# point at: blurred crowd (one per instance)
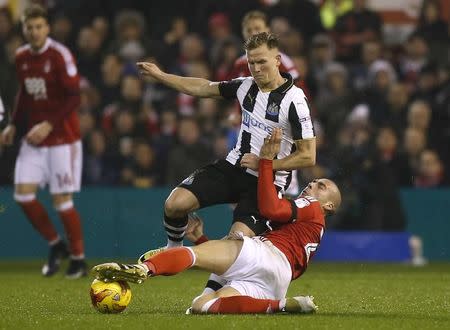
(381, 112)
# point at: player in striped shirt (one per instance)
(268, 100)
(258, 270)
(255, 22)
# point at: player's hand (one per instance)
(149, 69)
(271, 146)
(8, 134)
(194, 229)
(38, 133)
(250, 161)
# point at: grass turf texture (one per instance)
(350, 296)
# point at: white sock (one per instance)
(173, 244)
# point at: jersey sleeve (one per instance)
(68, 73)
(300, 119)
(269, 204)
(228, 89)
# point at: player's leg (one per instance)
(180, 202)
(230, 301)
(207, 186)
(247, 221)
(258, 281)
(65, 179)
(213, 256)
(72, 226)
(30, 172)
(25, 196)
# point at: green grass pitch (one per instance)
(350, 296)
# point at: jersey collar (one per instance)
(286, 86)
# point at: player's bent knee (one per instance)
(62, 202)
(201, 304)
(179, 203)
(64, 206)
(24, 198)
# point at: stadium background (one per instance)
(381, 109)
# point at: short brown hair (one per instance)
(254, 14)
(263, 38)
(34, 11)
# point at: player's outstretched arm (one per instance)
(269, 204)
(188, 85)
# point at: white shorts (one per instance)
(59, 166)
(260, 271)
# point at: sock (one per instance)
(72, 225)
(201, 240)
(243, 305)
(215, 282)
(40, 220)
(175, 229)
(171, 261)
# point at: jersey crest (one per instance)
(273, 109)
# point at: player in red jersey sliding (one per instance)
(258, 270)
(51, 151)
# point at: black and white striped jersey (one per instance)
(285, 107)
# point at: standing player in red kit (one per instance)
(51, 151)
(258, 270)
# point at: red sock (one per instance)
(171, 261)
(72, 225)
(39, 218)
(201, 240)
(244, 305)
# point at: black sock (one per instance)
(175, 229)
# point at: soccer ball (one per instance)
(111, 297)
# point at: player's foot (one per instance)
(57, 252)
(301, 304)
(147, 255)
(120, 272)
(77, 269)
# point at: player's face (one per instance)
(254, 26)
(318, 188)
(36, 31)
(263, 64)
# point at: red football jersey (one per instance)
(49, 90)
(303, 221)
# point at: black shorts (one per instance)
(222, 182)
